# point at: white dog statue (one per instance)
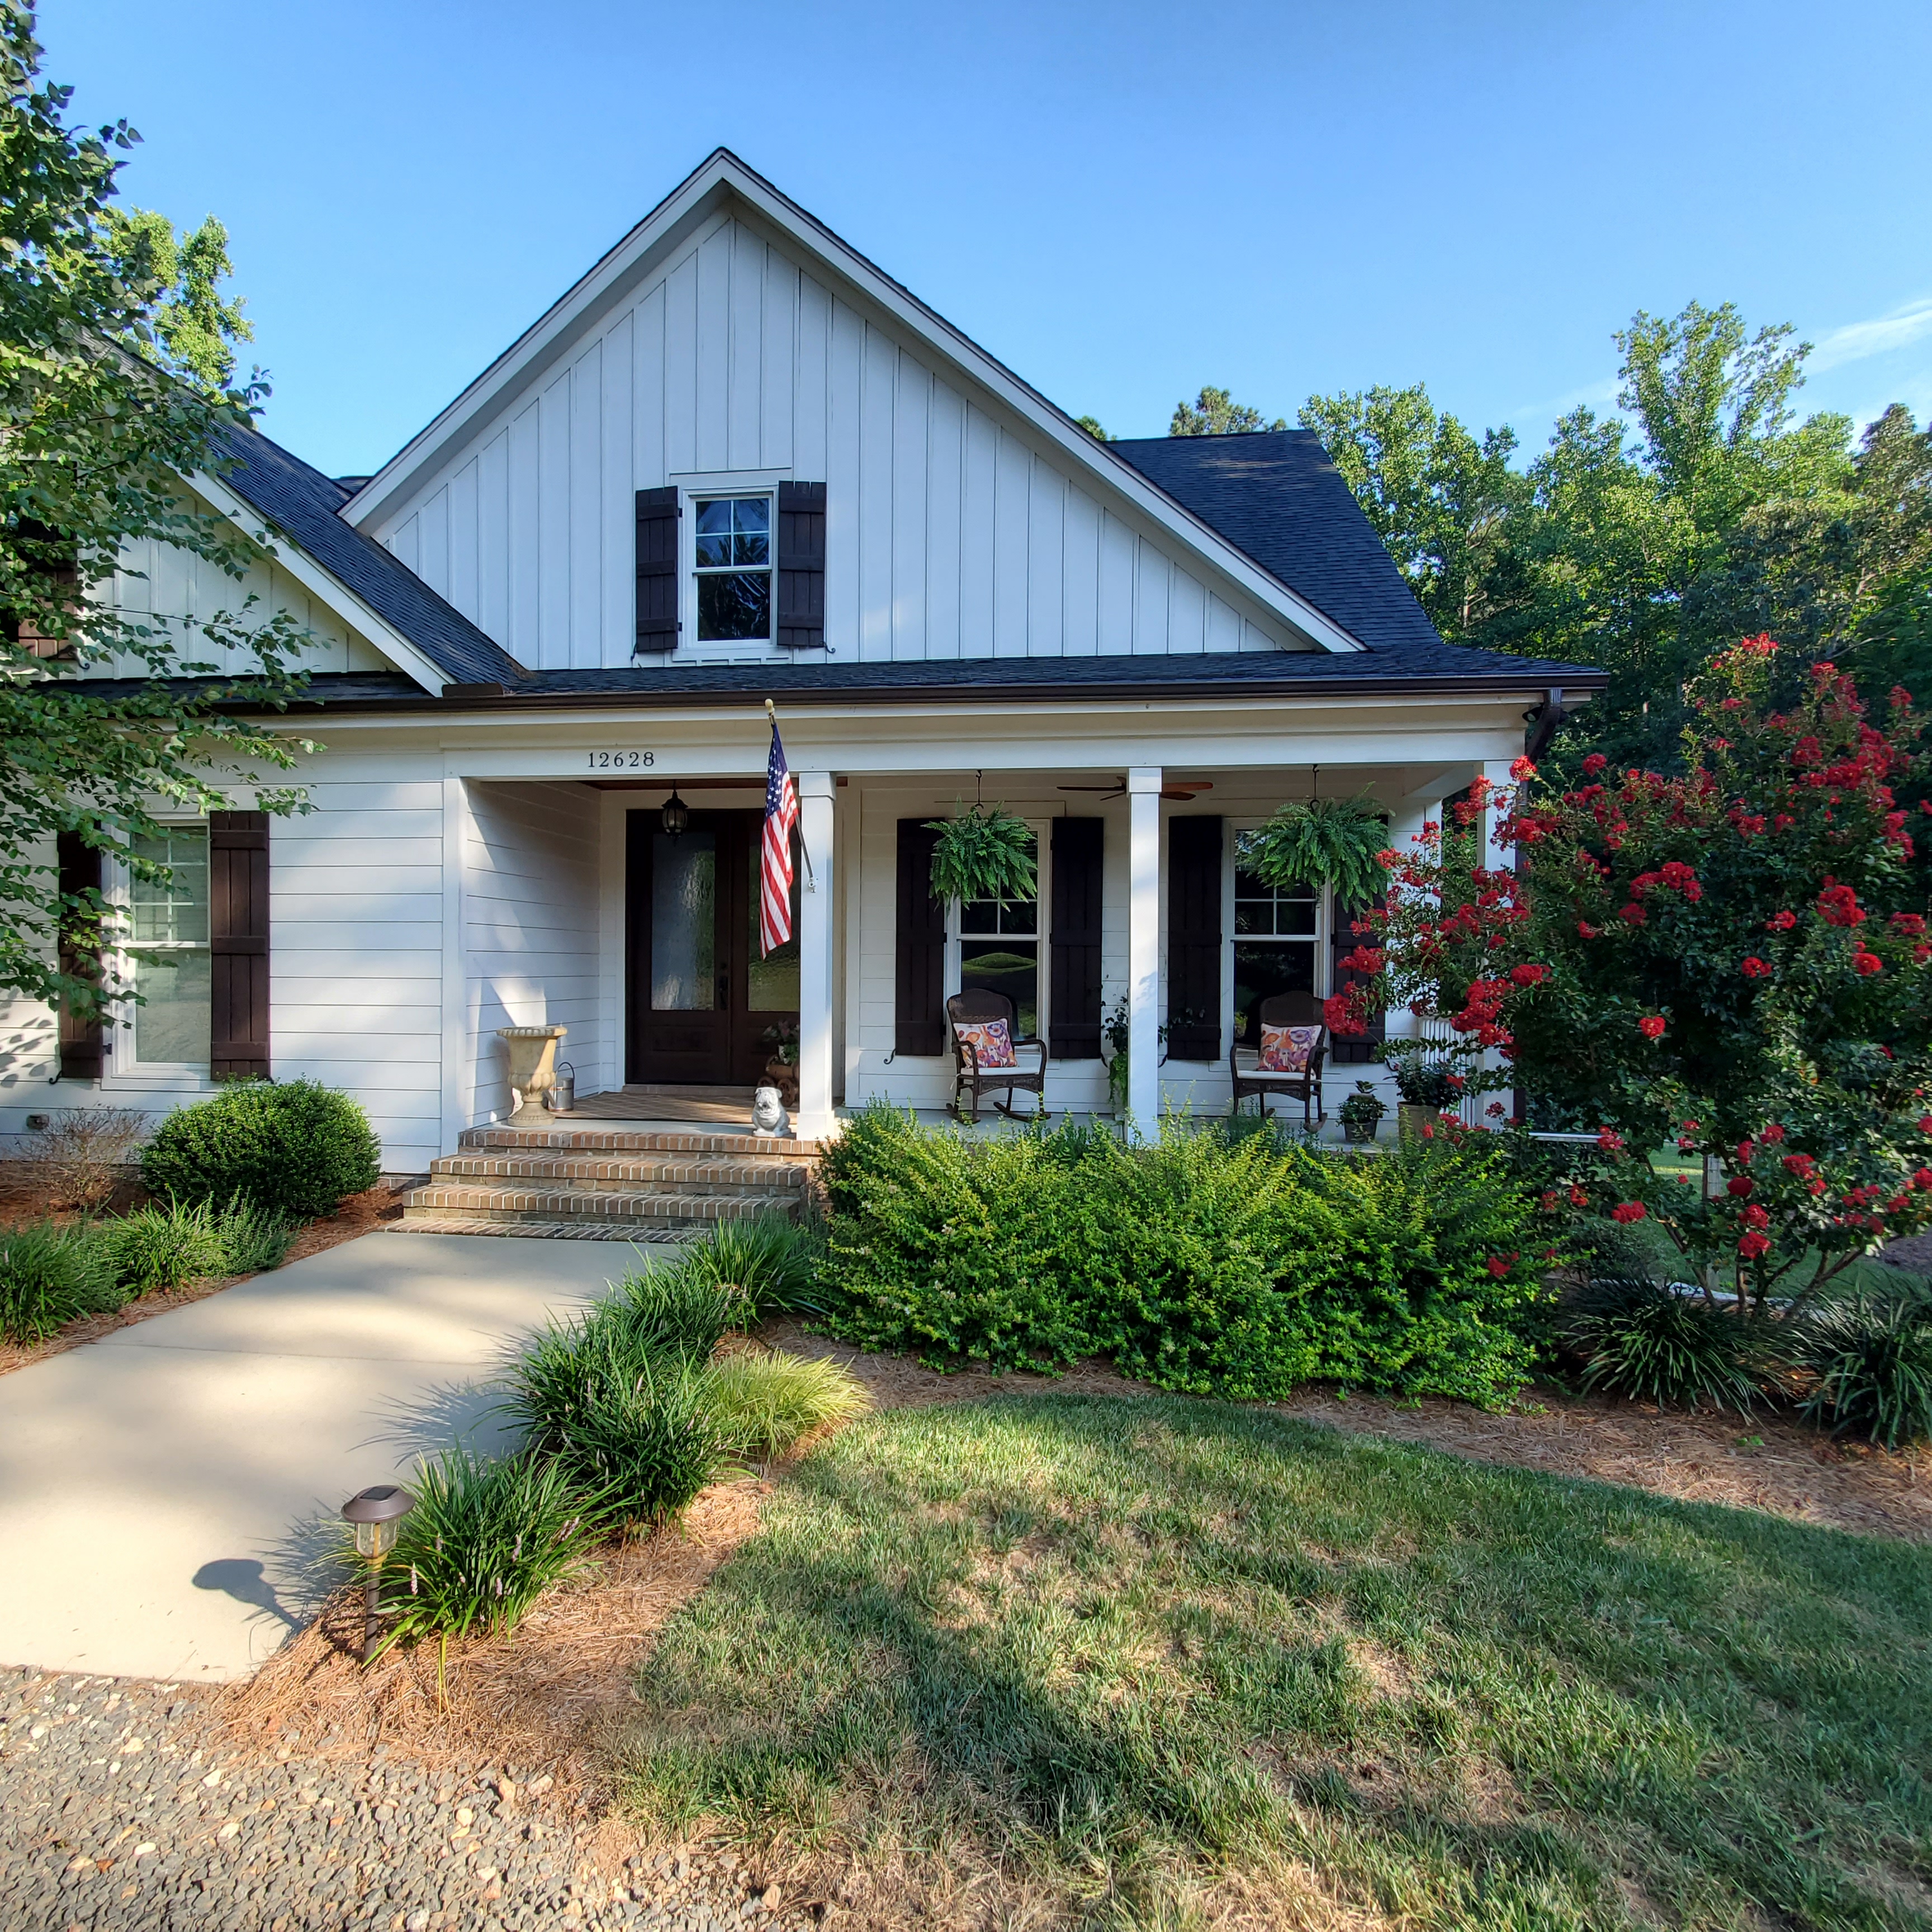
(769, 1120)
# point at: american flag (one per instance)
(774, 862)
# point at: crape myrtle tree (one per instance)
(113, 386)
(1731, 961)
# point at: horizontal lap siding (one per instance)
(530, 937)
(948, 535)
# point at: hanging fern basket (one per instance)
(985, 853)
(1324, 841)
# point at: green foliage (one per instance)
(50, 1275)
(680, 1307)
(1215, 413)
(194, 326)
(163, 1245)
(102, 411)
(984, 853)
(485, 1540)
(1644, 1340)
(1323, 842)
(256, 1240)
(1424, 1078)
(772, 1262)
(1871, 1351)
(768, 1399)
(1236, 1264)
(292, 1146)
(1091, 425)
(617, 1398)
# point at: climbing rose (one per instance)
(1588, 931)
(1753, 1245)
(1754, 968)
(1925, 1123)
(1594, 763)
(1799, 1164)
(1739, 1184)
(1521, 769)
(1780, 922)
(1838, 905)
(1497, 1266)
(1628, 1211)
(1652, 1026)
(1611, 1142)
(1868, 963)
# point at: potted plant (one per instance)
(1425, 1083)
(1114, 1033)
(781, 1068)
(985, 853)
(1361, 1113)
(1336, 842)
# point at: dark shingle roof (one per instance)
(1275, 496)
(301, 504)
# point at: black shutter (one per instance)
(801, 566)
(657, 570)
(1073, 1031)
(919, 971)
(1194, 938)
(1356, 1049)
(80, 1035)
(237, 932)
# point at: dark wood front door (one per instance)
(701, 1000)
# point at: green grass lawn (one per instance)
(1165, 1663)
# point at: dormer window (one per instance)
(734, 569)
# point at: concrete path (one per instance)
(168, 1494)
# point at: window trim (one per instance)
(120, 1070)
(723, 649)
(1325, 952)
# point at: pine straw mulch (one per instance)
(543, 1700)
(357, 1215)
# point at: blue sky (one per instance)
(1121, 201)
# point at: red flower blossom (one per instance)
(1739, 1184)
(1521, 769)
(1652, 1026)
(1528, 975)
(1339, 1011)
(1780, 922)
(1772, 1135)
(1752, 1245)
(1628, 1211)
(1925, 1123)
(1755, 1217)
(1497, 1266)
(1611, 1142)
(1922, 1179)
(1633, 914)
(1868, 963)
(1838, 905)
(1594, 763)
(1578, 1198)
(1755, 968)
(1588, 931)
(1801, 1164)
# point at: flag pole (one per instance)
(804, 850)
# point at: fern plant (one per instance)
(1323, 842)
(985, 853)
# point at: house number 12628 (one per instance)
(621, 761)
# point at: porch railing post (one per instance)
(1144, 952)
(816, 923)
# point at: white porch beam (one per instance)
(816, 921)
(1143, 951)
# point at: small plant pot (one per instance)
(1360, 1133)
(785, 1079)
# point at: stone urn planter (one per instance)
(532, 1071)
(784, 1078)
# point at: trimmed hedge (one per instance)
(1205, 1262)
(293, 1146)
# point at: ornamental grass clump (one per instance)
(1870, 1354)
(771, 1260)
(50, 1275)
(485, 1540)
(769, 1400)
(1641, 1340)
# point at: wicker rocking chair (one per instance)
(1244, 1069)
(969, 1077)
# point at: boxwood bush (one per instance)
(293, 1147)
(1207, 1262)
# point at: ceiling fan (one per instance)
(1182, 789)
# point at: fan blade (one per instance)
(1112, 789)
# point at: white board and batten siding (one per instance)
(949, 534)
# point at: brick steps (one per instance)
(650, 1233)
(686, 1174)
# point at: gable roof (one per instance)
(1278, 495)
(302, 505)
(723, 180)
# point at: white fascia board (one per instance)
(319, 584)
(686, 206)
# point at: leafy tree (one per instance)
(1215, 413)
(1091, 425)
(102, 410)
(195, 325)
(1734, 958)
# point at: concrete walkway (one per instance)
(169, 1493)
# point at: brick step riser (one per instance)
(554, 1200)
(669, 1212)
(680, 1177)
(590, 1146)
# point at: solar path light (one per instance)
(375, 1516)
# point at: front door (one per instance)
(703, 1006)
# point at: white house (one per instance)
(737, 461)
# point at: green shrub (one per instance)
(163, 1245)
(677, 1307)
(637, 1424)
(772, 1260)
(1641, 1340)
(485, 1539)
(292, 1146)
(1871, 1352)
(768, 1399)
(1234, 1262)
(50, 1275)
(256, 1239)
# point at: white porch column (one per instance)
(1144, 952)
(816, 921)
(1496, 858)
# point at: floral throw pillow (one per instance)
(1285, 1049)
(990, 1040)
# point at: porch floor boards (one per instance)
(727, 1107)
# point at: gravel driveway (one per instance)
(121, 1805)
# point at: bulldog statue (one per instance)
(769, 1120)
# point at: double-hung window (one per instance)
(167, 946)
(1277, 937)
(999, 952)
(734, 569)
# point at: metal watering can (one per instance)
(561, 1098)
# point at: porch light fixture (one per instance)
(676, 814)
(374, 1514)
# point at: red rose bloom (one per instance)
(1739, 1184)
(1594, 763)
(1521, 769)
(1497, 1266)
(1753, 1245)
(1652, 1026)
(1867, 964)
(1755, 968)
(1628, 1211)
(1780, 922)
(1611, 1142)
